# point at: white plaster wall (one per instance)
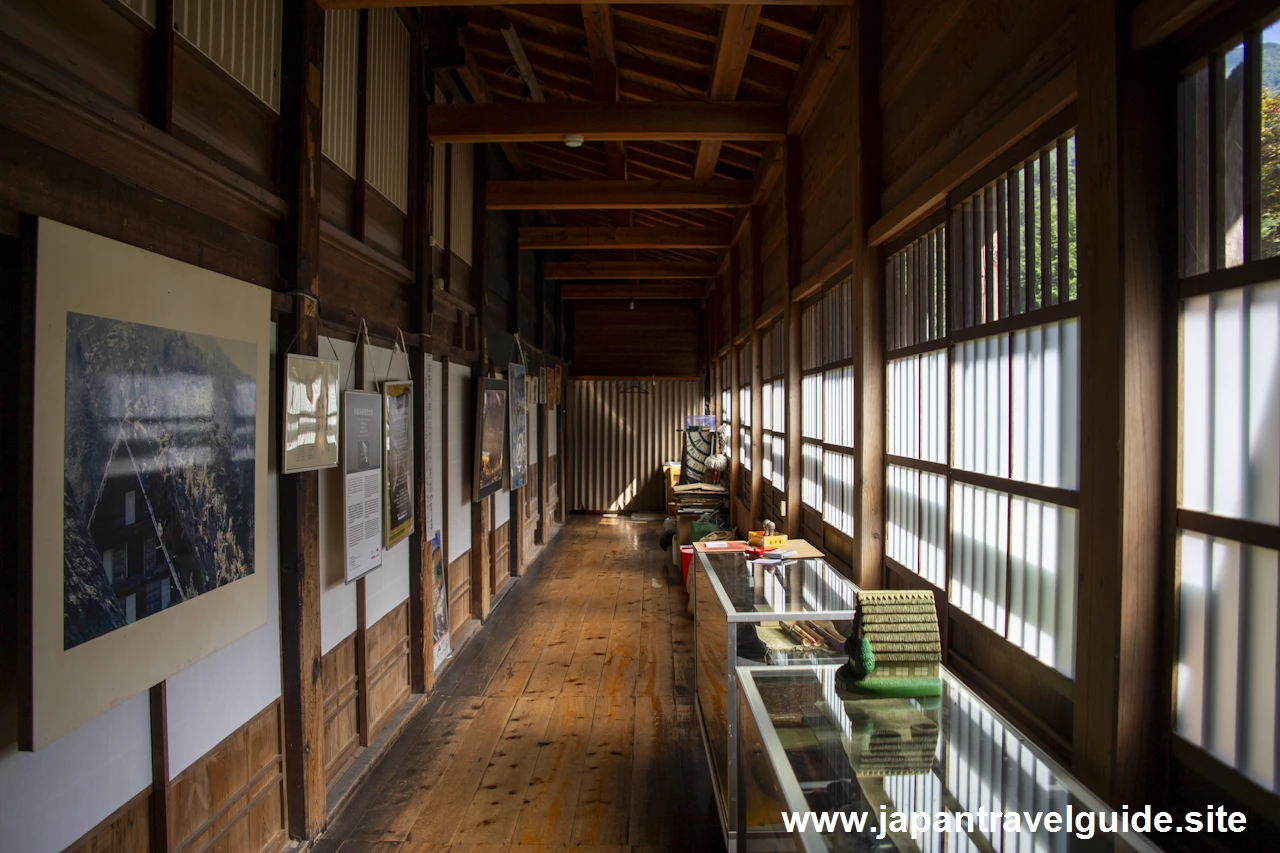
(436, 457)
(461, 435)
(501, 509)
(218, 694)
(48, 799)
(388, 585)
(337, 598)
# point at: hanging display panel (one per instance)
(149, 472)
(397, 512)
(362, 491)
(519, 427)
(491, 437)
(310, 413)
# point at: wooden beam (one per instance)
(602, 237)
(621, 121)
(733, 48)
(1045, 103)
(824, 55)
(394, 4)
(665, 290)
(1155, 20)
(302, 63)
(161, 837)
(608, 195)
(595, 270)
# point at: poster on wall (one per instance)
(149, 456)
(440, 603)
(362, 492)
(310, 414)
(397, 512)
(518, 469)
(491, 437)
(559, 384)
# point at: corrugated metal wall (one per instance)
(619, 440)
(462, 190)
(341, 79)
(388, 166)
(242, 37)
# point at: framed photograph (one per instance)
(518, 469)
(397, 424)
(362, 497)
(491, 437)
(439, 604)
(311, 414)
(149, 443)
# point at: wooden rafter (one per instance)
(474, 79)
(604, 270)
(659, 290)
(608, 195)
(622, 121)
(733, 48)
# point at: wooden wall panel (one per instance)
(387, 651)
(826, 173)
(743, 283)
(220, 118)
(459, 577)
(340, 689)
(353, 287)
(773, 251)
(233, 797)
(337, 197)
(128, 830)
(532, 510)
(658, 338)
(962, 86)
(501, 550)
(385, 226)
(107, 50)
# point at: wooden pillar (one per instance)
(160, 89)
(302, 62)
(735, 396)
(868, 303)
(481, 559)
(792, 322)
(161, 838)
(754, 237)
(543, 521)
(421, 588)
(1124, 187)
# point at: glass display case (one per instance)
(807, 746)
(766, 613)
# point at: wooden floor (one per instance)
(566, 723)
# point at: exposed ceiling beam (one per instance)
(661, 290)
(473, 78)
(626, 120)
(523, 65)
(829, 46)
(610, 195)
(733, 48)
(624, 238)
(393, 4)
(607, 270)
(1155, 20)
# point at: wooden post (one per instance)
(792, 322)
(868, 304)
(299, 511)
(161, 78)
(755, 235)
(1123, 213)
(735, 396)
(161, 838)
(543, 521)
(362, 123)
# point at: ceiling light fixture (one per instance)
(573, 140)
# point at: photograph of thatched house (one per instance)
(158, 470)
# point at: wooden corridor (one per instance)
(566, 723)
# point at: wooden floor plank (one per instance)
(443, 810)
(552, 798)
(505, 758)
(491, 817)
(604, 810)
(425, 765)
(583, 676)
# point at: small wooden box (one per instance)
(758, 539)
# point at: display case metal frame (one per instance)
(811, 840)
(727, 798)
